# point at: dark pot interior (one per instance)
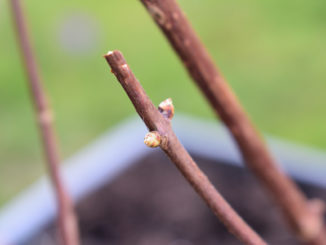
(151, 204)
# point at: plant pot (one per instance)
(129, 194)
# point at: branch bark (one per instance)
(306, 222)
(156, 122)
(67, 219)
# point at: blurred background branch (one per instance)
(305, 222)
(67, 219)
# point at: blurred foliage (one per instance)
(272, 53)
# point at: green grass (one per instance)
(272, 53)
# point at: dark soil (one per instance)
(152, 204)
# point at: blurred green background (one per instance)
(273, 54)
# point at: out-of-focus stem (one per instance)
(306, 222)
(67, 219)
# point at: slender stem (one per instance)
(305, 222)
(67, 219)
(155, 121)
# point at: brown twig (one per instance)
(161, 129)
(67, 220)
(306, 223)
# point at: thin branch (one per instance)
(163, 135)
(67, 220)
(307, 223)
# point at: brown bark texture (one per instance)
(157, 122)
(67, 219)
(305, 221)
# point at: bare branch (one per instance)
(67, 220)
(163, 135)
(306, 223)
